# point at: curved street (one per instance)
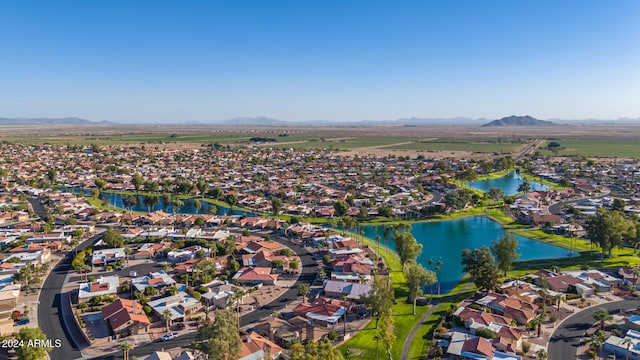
(51, 321)
(49, 315)
(566, 338)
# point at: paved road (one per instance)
(49, 317)
(565, 340)
(38, 208)
(309, 272)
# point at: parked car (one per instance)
(22, 322)
(169, 336)
(181, 326)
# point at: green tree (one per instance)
(137, 181)
(150, 201)
(129, 201)
(176, 204)
(496, 193)
(607, 228)
(386, 333)
(219, 340)
(504, 251)
(36, 352)
(407, 247)
(100, 184)
(113, 239)
(276, 205)
(340, 208)
(202, 185)
(417, 278)
(231, 199)
(381, 297)
(479, 263)
(524, 187)
(197, 205)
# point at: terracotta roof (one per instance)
(478, 345)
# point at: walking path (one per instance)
(412, 334)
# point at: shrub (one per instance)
(147, 309)
(526, 347)
(486, 333)
(332, 335)
(92, 279)
(572, 296)
(83, 306)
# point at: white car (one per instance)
(169, 336)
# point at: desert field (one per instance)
(622, 141)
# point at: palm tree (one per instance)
(542, 354)
(125, 347)
(166, 316)
(627, 341)
(344, 299)
(597, 340)
(377, 337)
(602, 316)
(304, 290)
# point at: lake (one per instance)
(509, 183)
(445, 240)
(188, 208)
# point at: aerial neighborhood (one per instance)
(164, 247)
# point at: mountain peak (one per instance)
(515, 120)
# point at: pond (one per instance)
(188, 208)
(509, 184)
(445, 240)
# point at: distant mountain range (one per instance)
(514, 120)
(271, 122)
(52, 121)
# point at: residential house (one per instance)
(511, 306)
(255, 276)
(256, 347)
(157, 280)
(104, 257)
(126, 316)
(323, 311)
(338, 289)
(179, 305)
(107, 285)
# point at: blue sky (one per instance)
(174, 61)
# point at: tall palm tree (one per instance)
(344, 299)
(125, 347)
(602, 316)
(304, 291)
(166, 316)
(628, 342)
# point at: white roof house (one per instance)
(154, 279)
(618, 346)
(178, 305)
(107, 285)
(104, 256)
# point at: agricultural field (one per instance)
(459, 145)
(605, 148)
